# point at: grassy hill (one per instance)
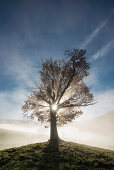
(65, 156)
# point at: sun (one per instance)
(54, 107)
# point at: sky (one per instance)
(32, 30)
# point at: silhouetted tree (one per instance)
(61, 92)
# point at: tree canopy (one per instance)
(62, 83)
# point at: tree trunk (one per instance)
(53, 127)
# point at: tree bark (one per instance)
(53, 127)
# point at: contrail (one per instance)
(103, 50)
(94, 33)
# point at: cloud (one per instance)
(105, 103)
(21, 70)
(104, 50)
(25, 76)
(11, 102)
(91, 80)
(94, 34)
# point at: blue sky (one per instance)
(35, 29)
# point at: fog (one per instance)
(95, 132)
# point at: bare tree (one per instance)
(61, 92)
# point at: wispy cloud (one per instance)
(104, 50)
(21, 70)
(11, 103)
(104, 104)
(93, 34)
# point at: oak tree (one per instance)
(62, 91)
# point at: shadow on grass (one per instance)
(51, 157)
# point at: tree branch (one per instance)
(77, 105)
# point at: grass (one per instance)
(65, 156)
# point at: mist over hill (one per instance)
(97, 131)
(100, 124)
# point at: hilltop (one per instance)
(65, 156)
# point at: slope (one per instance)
(65, 156)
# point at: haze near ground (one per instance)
(97, 131)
